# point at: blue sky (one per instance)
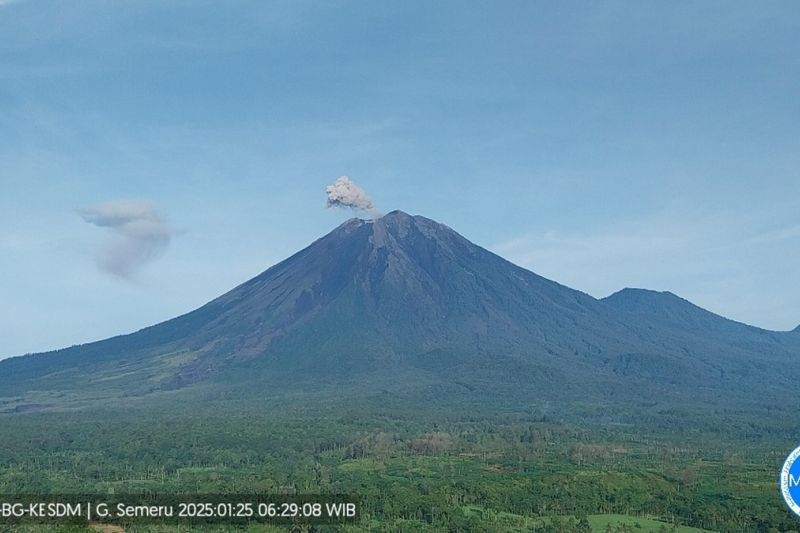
(600, 144)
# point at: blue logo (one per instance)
(790, 481)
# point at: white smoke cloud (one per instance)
(345, 193)
(141, 234)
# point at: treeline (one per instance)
(411, 470)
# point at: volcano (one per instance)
(403, 303)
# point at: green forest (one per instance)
(412, 468)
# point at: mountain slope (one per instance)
(368, 294)
(404, 302)
(668, 309)
(680, 318)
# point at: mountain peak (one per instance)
(391, 218)
(397, 218)
(641, 296)
(669, 308)
(397, 213)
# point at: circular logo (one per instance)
(790, 481)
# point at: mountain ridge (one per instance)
(665, 304)
(405, 295)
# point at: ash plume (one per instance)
(140, 234)
(346, 194)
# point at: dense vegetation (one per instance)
(417, 470)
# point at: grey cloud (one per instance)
(345, 193)
(140, 234)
